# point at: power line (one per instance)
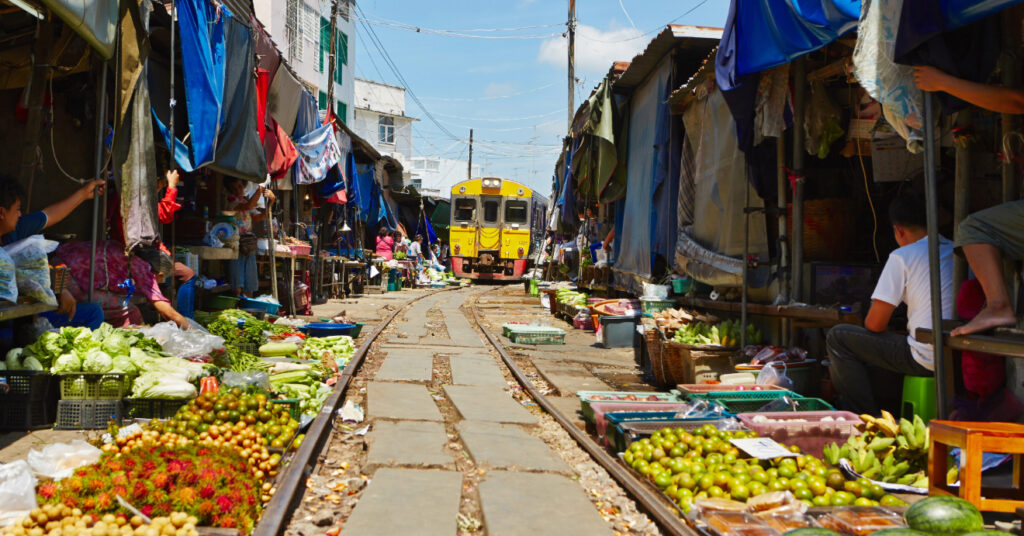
(498, 97)
(394, 68)
(501, 119)
(649, 32)
(459, 33)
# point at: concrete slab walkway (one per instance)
(530, 504)
(503, 446)
(407, 501)
(482, 403)
(415, 443)
(401, 401)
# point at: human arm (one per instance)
(60, 210)
(608, 239)
(167, 311)
(169, 204)
(995, 98)
(878, 316)
(68, 303)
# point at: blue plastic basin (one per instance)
(249, 303)
(328, 329)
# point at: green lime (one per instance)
(739, 492)
(803, 494)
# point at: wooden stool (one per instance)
(975, 438)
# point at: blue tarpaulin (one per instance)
(362, 190)
(760, 34)
(201, 27)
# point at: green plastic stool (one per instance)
(918, 397)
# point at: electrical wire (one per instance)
(498, 97)
(867, 189)
(649, 32)
(502, 119)
(459, 33)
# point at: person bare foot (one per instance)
(987, 319)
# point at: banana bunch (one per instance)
(886, 450)
(727, 333)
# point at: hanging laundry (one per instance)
(771, 103)
(280, 151)
(890, 84)
(318, 152)
(239, 147)
(821, 122)
(336, 177)
(201, 27)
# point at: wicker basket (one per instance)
(684, 363)
(59, 278)
(655, 347)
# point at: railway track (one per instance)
(292, 486)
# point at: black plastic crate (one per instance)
(151, 408)
(31, 400)
(87, 414)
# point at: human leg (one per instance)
(186, 298)
(852, 349)
(251, 282)
(236, 275)
(985, 238)
(88, 315)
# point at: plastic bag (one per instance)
(59, 460)
(655, 291)
(32, 268)
(196, 341)
(771, 375)
(244, 379)
(17, 491)
(8, 283)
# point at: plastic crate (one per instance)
(92, 386)
(586, 324)
(650, 305)
(811, 436)
(800, 373)
(31, 400)
(151, 408)
(588, 397)
(681, 286)
(600, 423)
(536, 335)
(626, 428)
(293, 406)
(750, 401)
(87, 414)
(704, 388)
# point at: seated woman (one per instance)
(112, 290)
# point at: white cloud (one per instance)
(498, 89)
(595, 49)
(524, 3)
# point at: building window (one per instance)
(292, 29)
(386, 130)
(433, 165)
(417, 183)
(322, 101)
(342, 58)
(325, 42)
(342, 112)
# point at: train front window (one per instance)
(465, 210)
(491, 210)
(516, 212)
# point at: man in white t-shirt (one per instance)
(416, 249)
(905, 279)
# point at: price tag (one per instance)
(762, 448)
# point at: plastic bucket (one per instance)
(328, 329)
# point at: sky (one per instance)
(499, 67)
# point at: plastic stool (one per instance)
(918, 397)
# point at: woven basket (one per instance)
(58, 278)
(685, 363)
(655, 348)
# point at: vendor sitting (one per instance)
(149, 266)
(14, 226)
(905, 278)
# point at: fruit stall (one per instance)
(194, 428)
(763, 460)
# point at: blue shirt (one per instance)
(28, 225)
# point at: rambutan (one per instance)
(176, 466)
(227, 522)
(148, 466)
(225, 504)
(119, 490)
(160, 480)
(71, 502)
(140, 490)
(113, 465)
(87, 504)
(163, 509)
(75, 484)
(147, 510)
(104, 501)
(47, 490)
(207, 491)
(95, 484)
(206, 508)
(119, 479)
(186, 495)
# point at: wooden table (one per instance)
(823, 316)
(291, 258)
(974, 439)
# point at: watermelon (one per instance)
(901, 532)
(944, 515)
(989, 532)
(811, 531)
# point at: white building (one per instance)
(380, 119)
(302, 30)
(438, 175)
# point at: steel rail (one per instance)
(292, 486)
(654, 503)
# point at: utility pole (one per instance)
(572, 56)
(469, 169)
(331, 62)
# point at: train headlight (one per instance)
(521, 252)
(457, 248)
(491, 183)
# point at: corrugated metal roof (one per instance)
(699, 39)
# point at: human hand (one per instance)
(928, 78)
(67, 304)
(93, 188)
(172, 178)
(269, 194)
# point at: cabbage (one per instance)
(159, 385)
(13, 359)
(69, 362)
(77, 387)
(97, 360)
(31, 363)
(124, 365)
(117, 343)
